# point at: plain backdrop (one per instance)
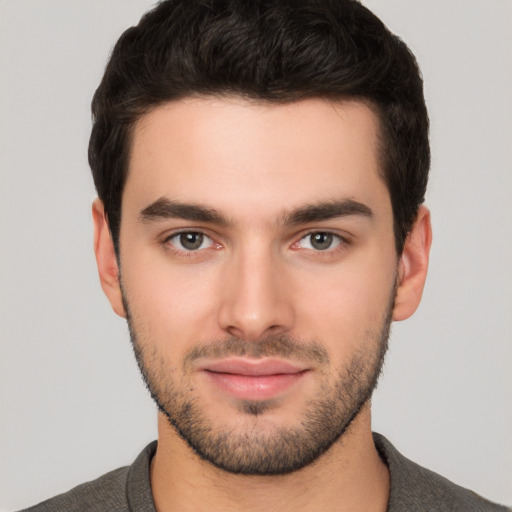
(72, 403)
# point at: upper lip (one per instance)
(252, 367)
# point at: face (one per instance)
(258, 273)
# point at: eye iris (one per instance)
(191, 241)
(321, 241)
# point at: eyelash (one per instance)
(190, 252)
(341, 243)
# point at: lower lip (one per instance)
(254, 387)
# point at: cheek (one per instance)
(349, 302)
(170, 305)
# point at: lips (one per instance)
(253, 379)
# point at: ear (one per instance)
(106, 259)
(412, 267)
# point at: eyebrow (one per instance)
(165, 208)
(328, 210)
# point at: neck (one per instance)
(350, 476)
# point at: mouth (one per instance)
(253, 379)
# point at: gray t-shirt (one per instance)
(413, 488)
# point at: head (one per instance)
(269, 51)
(260, 169)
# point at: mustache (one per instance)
(284, 346)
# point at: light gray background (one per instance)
(72, 404)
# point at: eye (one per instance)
(190, 241)
(320, 241)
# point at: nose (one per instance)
(256, 301)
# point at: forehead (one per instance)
(218, 150)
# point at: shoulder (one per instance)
(122, 490)
(416, 488)
(105, 493)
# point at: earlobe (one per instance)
(106, 259)
(413, 265)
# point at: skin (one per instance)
(258, 276)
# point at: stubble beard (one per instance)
(254, 451)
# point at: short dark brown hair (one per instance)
(269, 50)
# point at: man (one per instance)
(261, 169)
